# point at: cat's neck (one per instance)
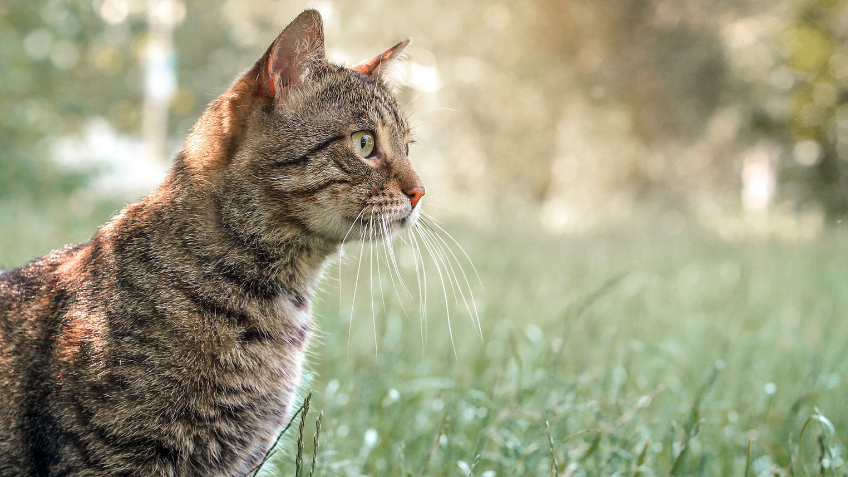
(196, 238)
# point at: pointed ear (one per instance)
(385, 64)
(294, 55)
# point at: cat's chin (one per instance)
(383, 228)
(408, 220)
(340, 229)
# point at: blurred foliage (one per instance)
(538, 109)
(816, 49)
(49, 86)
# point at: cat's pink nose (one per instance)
(415, 194)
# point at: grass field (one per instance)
(600, 356)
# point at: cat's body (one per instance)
(172, 343)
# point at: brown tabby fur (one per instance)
(172, 343)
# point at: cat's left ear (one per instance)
(295, 55)
(386, 64)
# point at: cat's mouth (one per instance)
(384, 223)
(387, 221)
(410, 216)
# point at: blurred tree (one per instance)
(58, 66)
(653, 76)
(814, 46)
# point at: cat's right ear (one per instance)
(294, 55)
(385, 64)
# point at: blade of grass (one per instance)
(641, 459)
(315, 442)
(445, 424)
(298, 461)
(272, 449)
(554, 463)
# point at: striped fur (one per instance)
(172, 343)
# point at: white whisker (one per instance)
(430, 206)
(424, 234)
(444, 288)
(356, 283)
(435, 222)
(387, 248)
(440, 257)
(420, 272)
(371, 278)
(412, 100)
(391, 254)
(475, 317)
(380, 275)
(341, 251)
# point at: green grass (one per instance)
(658, 357)
(614, 355)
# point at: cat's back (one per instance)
(32, 299)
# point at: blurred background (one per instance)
(725, 116)
(654, 193)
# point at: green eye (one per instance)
(406, 149)
(363, 142)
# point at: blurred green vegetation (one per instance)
(816, 50)
(37, 98)
(671, 344)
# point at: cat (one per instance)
(172, 343)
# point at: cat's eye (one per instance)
(406, 149)
(363, 143)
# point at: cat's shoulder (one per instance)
(35, 272)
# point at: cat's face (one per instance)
(335, 158)
(329, 150)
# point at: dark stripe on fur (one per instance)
(298, 300)
(212, 307)
(237, 238)
(40, 429)
(304, 157)
(259, 289)
(316, 188)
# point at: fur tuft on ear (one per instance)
(386, 66)
(295, 55)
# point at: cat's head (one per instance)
(298, 143)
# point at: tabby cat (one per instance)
(172, 343)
